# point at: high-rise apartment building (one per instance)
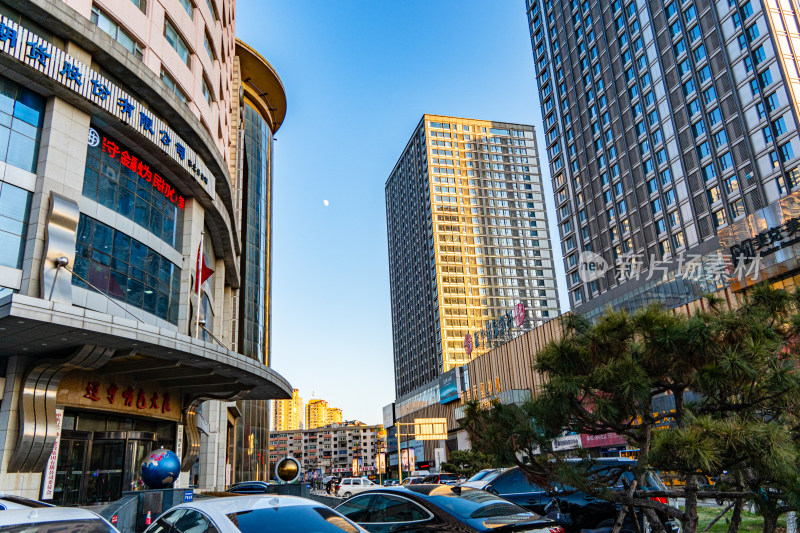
(288, 414)
(316, 413)
(332, 448)
(665, 122)
(468, 241)
(333, 416)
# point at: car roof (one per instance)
(236, 504)
(45, 514)
(603, 460)
(422, 489)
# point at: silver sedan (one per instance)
(253, 514)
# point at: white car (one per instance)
(354, 485)
(52, 520)
(10, 502)
(269, 513)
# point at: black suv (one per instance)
(580, 510)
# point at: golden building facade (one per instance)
(469, 245)
(333, 416)
(316, 413)
(288, 414)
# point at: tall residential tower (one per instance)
(468, 242)
(665, 122)
(288, 414)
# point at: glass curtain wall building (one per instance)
(468, 242)
(258, 122)
(665, 121)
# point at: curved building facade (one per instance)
(135, 219)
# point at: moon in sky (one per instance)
(326, 203)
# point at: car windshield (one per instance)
(480, 475)
(62, 526)
(294, 518)
(467, 504)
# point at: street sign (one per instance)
(430, 428)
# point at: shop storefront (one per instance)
(108, 426)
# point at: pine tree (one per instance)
(732, 375)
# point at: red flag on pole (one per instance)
(203, 272)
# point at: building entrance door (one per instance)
(96, 467)
(69, 471)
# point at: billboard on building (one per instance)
(448, 387)
(388, 416)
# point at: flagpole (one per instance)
(198, 274)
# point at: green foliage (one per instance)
(466, 463)
(733, 374)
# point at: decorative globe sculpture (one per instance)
(160, 469)
(287, 470)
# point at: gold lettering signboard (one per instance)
(118, 395)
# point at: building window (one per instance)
(208, 46)
(719, 218)
(211, 8)
(736, 209)
(111, 182)
(187, 5)
(207, 92)
(713, 195)
(173, 86)
(780, 126)
(177, 42)
(786, 152)
(678, 241)
(21, 115)
(15, 204)
(126, 270)
(118, 34)
(141, 4)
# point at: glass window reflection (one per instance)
(15, 204)
(106, 258)
(108, 182)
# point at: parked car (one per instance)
(578, 509)
(412, 480)
(249, 487)
(53, 519)
(422, 508)
(482, 478)
(10, 502)
(391, 482)
(354, 485)
(441, 479)
(253, 514)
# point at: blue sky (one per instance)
(358, 76)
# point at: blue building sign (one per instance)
(30, 49)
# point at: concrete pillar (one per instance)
(193, 218)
